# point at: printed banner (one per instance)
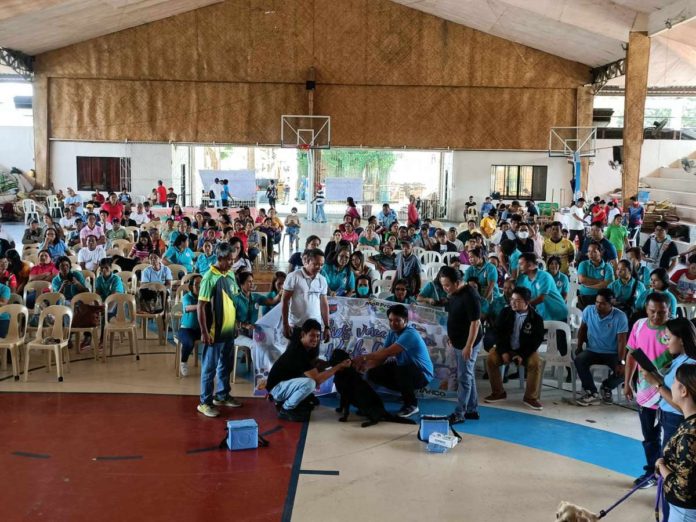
(360, 326)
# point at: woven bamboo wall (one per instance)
(389, 76)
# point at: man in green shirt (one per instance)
(617, 234)
(116, 232)
(216, 319)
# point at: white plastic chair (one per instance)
(16, 335)
(30, 210)
(428, 256)
(158, 317)
(54, 209)
(553, 357)
(431, 269)
(122, 322)
(388, 275)
(381, 285)
(59, 334)
(448, 256)
(242, 342)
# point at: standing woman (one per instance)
(466, 337)
(678, 463)
(351, 208)
(189, 332)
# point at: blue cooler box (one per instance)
(242, 434)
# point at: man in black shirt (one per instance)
(519, 333)
(466, 337)
(294, 376)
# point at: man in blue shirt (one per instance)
(609, 254)
(412, 369)
(636, 214)
(386, 217)
(487, 206)
(604, 331)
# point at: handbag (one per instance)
(435, 424)
(86, 316)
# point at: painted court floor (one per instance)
(133, 456)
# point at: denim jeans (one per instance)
(293, 391)
(651, 428)
(217, 359)
(319, 215)
(467, 395)
(188, 338)
(679, 514)
(586, 359)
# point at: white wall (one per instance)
(472, 175)
(149, 163)
(655, 154)
(17, 147)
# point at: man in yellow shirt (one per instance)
(489, 224)
(557, 245)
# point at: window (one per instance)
(519, 181)
(107, 174)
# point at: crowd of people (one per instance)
(500, 276)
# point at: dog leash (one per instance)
(658, 499)
(604, 512)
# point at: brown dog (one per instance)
(568, 512)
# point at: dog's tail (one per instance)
(390, 417)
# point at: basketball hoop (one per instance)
(304, 147)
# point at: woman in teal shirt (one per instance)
(107, 282)
(338, 274)
(245, 303)
(206, 258)
(562, 282)
(189, 332)
(432, 294)
(179, 254)
(400, 294)
(659, 282)
(276, 290)
(546, 298)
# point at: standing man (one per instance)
(519, 333)
(636, 214)
(319, 199)
(603, 330)
(617, 234)
(161, 194)
(576, 227)
(272, 194)
(411, 369)
(114, 207)
(304, 296)
(650, 336)
(466, 337)
(216, 320)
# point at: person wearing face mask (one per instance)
(524, 244)
(363, 287)
(660, 250)
(682, 347)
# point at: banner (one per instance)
(338, 189)
(359, 326)
(242, 183)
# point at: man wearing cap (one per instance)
(114, 207)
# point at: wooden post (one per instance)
(637, 59)
(584, 108)
(41, 131)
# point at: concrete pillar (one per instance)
(584, 108)
(637, 60)
(41, 131)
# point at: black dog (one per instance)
(355, 391)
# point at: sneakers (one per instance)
(407, 411)
(183, 369)
(208, 410)
(472, 415)
(228, 401)
(495, 397)
(588, 399)
(532, 404)
(648, 479)
(294, 415)
(607, 395)
(456, 418)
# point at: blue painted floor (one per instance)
(601, 448)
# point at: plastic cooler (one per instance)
(242, 434)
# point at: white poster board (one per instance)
(338, 189)
(242, 183)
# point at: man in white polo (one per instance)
(304, 295)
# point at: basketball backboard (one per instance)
(569, 142)
(305, 131)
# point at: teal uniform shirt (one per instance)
(602, 271)
(553, 307)
(487, 273)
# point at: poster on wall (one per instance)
(338, 189)
(242, 183)
(359, 326)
